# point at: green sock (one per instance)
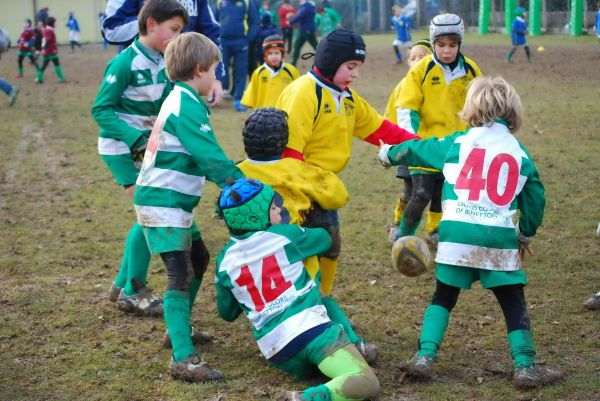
(177, 317)
(138, 258)
(317, 393)
(21, 71)
(59, 72)
(194, 288)
(435, 323)
(337, 315)
(121, 279)
(522, 348)
(406, 229)
(40, 75)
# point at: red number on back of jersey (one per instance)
(471, 177)
(272, 280)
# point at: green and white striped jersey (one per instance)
(182, 152)
(488, 176)
(134, 87)
(262, 274)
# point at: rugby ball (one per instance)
(411, 255)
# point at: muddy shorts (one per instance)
(464, 277)
(304, 363)
(167, 239)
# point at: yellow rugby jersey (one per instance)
(266, 84)
(432, 96)
(390, 108)
(322, 120)
(299, 184)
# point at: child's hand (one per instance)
(524, 246)
(382, 156)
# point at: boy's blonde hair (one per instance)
(490, 99)
(187, 51)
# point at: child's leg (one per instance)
(34, 62)
(512, 301)
(351, 378)
(57, 69)
(200, 259)
(40, 72)
(20, 62)
(436, 318)
(135, 260)
(5, 87)
(398, 54)
(403, 198)
(528, 53)
(177, 303)
(434, 215)
(423, 185)
(509, 56)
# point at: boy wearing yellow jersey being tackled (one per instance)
(431, 97)
(324, 115)
(301, 186)
(271, 78)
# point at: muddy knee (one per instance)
(200, 258)
(180, 271)
(362, 387)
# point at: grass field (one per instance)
(63, 223)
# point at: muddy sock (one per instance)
(194, 288)
(317, 393)
(138, 259)
(337, 315)
(522, 348)
(435, 323)
(59, 72)
(407, 228)
(433, 221)
(177, 317)
(327, 268)
(400, 205)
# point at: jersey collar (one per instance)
(190, 91)
(150, 54)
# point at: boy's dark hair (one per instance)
(265, 134)
(50, 21)
(160, 10)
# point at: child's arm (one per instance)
(373, 128)
(250, 94)
(322, 187)
(409, 101)
(116, 80)
(305, 242)
(196, 136)
(429, 153)
(227, 306)
(531, 200)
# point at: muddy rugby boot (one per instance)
(393, 233)
(291, 396)
(198, 337)
(113, 293)
(144, 303)
(535, 376)
(593, 303)
(368, 351)
(193, 369)
(419, 366)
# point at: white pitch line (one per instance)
(16, 160)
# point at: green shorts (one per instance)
(168, 239)
(464, 277)
(122, 167)
(304, 363)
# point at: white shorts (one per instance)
(74, 36)
(401, 44)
